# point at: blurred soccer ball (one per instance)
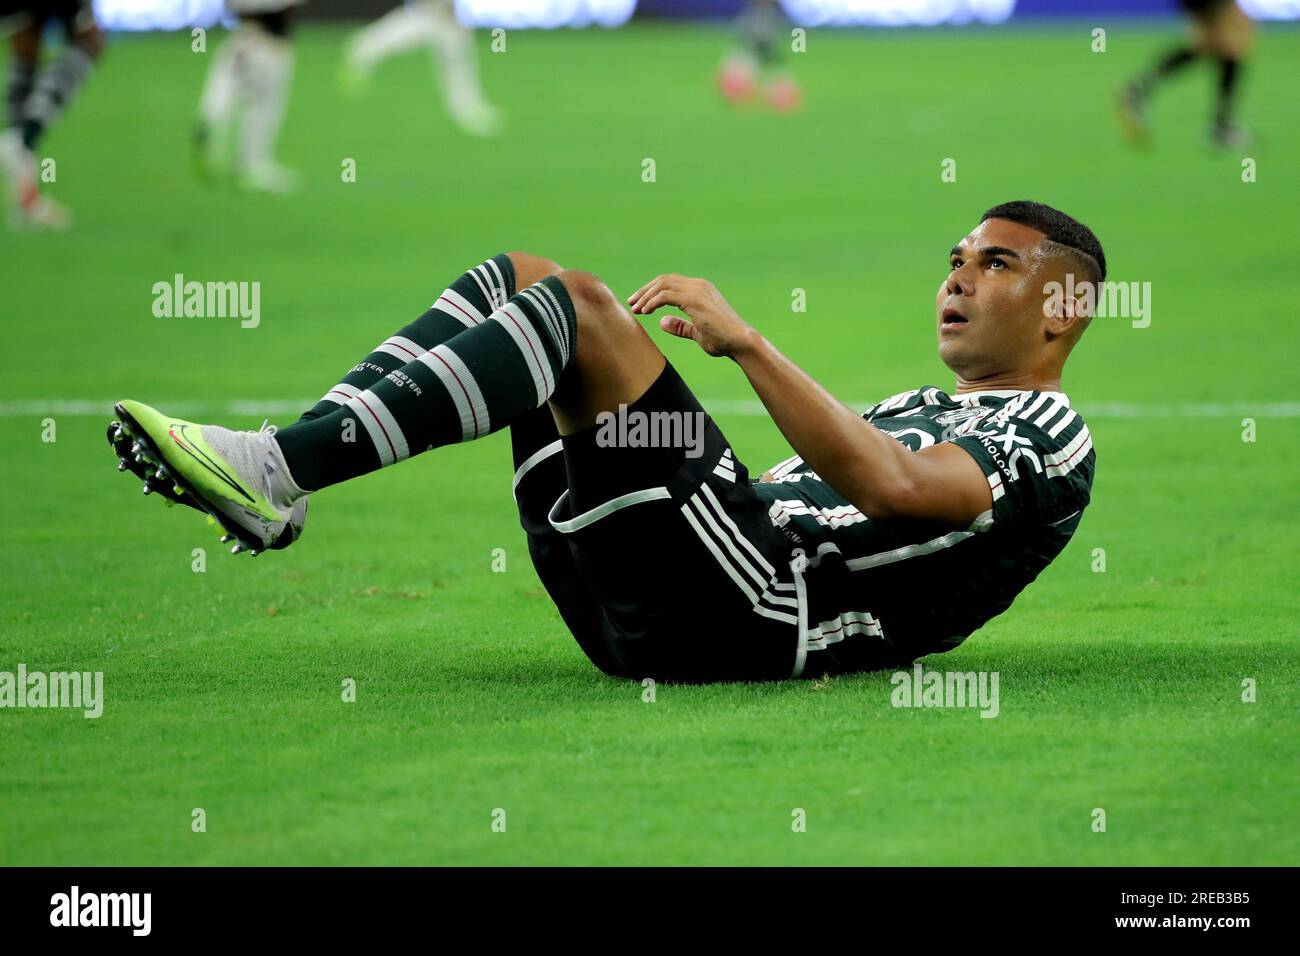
(783, 94)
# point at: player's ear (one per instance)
(1072, 312)
(1064, 317)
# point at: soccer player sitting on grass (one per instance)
(888, 536)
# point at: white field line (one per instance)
(270, 408)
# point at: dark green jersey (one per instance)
(922, 585)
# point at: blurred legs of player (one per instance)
(36, 95)
(756, 61)
(431, 24)
(244, 98)
(1220, 32)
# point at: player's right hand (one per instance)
(713, 324)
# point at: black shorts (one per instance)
(659, 556)
(73, 14)
(1200, 8)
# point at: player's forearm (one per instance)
(859, 461)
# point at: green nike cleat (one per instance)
(121, 443)
(239, 478)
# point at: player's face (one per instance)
(989, 310)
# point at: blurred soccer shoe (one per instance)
(27, 207)
(1131, 109)
(1229, 136)
(783, 94)
(239, 478)
(40, 212)
(354, 81)
(270, 178)
(736, 79)
(476, 117)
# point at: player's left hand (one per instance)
(714, 324)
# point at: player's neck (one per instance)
(1017, 381)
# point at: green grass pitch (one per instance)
(1120, 690)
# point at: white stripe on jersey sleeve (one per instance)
(1062, 424)
(1053, 410)
(894, 401)
(1038, 402)
(1068, 458)
(783, 468)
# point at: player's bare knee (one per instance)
(608, 335)
(614, 362)
(592, 299)
(530, 268)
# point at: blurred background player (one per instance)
(756, 60)
(35, 95)
(244, 99)
(431, 24)
(1220, 32)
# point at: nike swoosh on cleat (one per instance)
(198, 455)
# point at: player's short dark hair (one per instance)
(1058, 228)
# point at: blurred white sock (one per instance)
(220, 94)
(395, 32)
(462, 94)
(266, 73)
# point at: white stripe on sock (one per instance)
(340, 393)
(458, 307)
(380, 425)
(499, 287)
(460, 384)
(554, 326)
(513, 320)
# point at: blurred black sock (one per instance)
(22, 78)
(1229, 70)
(55, 87)
(1172, 63)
